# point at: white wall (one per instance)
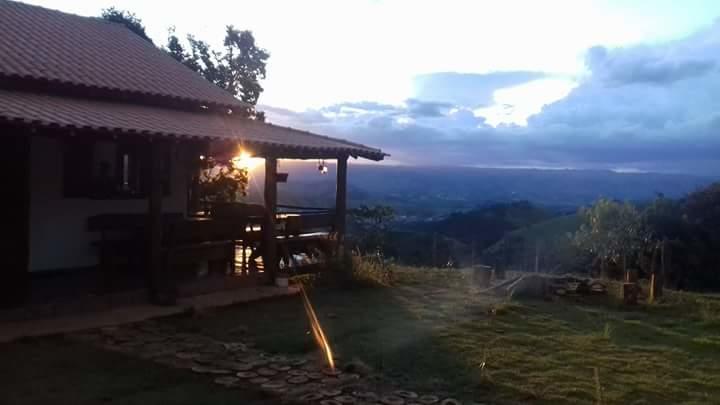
(58, 226)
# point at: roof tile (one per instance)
(75, 113)
(43, 44)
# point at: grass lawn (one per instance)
(56, 371)
(431, 334)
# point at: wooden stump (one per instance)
(630, 293)
(482, 276)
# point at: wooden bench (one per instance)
(309, 234)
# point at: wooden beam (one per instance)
(270, 258)
(341, 199)
(161, 291)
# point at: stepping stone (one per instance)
(345, 399)
(330, 402)
(450, 401)
(311, 397)
(242, 366)
(348, 377)
(332, 372)
(406, 394)
(187, 355)
(298, 362)
(366, 395)
(227, 381)
(209, 370)
(298, 373)
(316, 376)
(266, 372)
(259, 380)
(246, 374)
(205, 358)
(330, 381)
(235, 347)
(330, 392)
(273, 385)
(428, 399)
(280, 367)
(392, 400)
(300, 379)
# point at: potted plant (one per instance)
(282, 278)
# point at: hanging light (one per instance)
(322, 168)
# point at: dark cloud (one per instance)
(419, 108)
(468, 89)
(646, 65)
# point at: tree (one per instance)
(238, 69)
(371, 225)
(128, 19)
(222, 181)
(611, 231)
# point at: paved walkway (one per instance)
(63, 324)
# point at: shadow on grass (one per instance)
(442, 338)
(56, 371)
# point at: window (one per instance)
(109, 170)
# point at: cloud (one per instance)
(647, 107)
(649, 64)
(468, 89)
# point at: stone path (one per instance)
(233, 365)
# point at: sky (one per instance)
(621, 85)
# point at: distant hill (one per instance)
(429, 192)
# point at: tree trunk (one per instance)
(653, 275)
(660, 281)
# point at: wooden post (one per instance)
(270, 258)
(537, 256)
(341, 201)
(161, 290)
(434, 250)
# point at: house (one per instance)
(97, 123)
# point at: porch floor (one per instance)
(135, 313)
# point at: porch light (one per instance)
(245, 161)
(322, 168)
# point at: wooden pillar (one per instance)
(270, 258)
(15, 173)
(161, 291)
(341, 200)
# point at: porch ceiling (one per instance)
(54, 112)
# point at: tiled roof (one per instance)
(50, 46)
(49, 111)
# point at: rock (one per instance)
(259, 380)
(311, 397)
(227, 381)
(209, 370)
(246, 374)
(300, 379)
(358, 367)
(428, 399)
(392, 400)
(345, 399)
(368, 396)
(405, 394)
(266, 372)
(331, 392)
